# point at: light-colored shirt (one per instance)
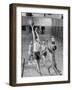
(36, 46)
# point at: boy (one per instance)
(52, 50)
(36, 47)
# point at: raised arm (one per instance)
(33, 34)
(37, 35)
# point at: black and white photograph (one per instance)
(41, 44)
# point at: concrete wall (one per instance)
(39, 21)
(42, 21)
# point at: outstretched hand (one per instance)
(32, 25)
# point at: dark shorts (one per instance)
(37, 55)
(45, 54)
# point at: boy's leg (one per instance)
(38, 62)
(49, 69)
(30, 60)
(38, 67)
(59, 72)
(43, 59)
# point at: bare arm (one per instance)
(37, 35)
(33, 34)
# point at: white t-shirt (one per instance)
(36, 46)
